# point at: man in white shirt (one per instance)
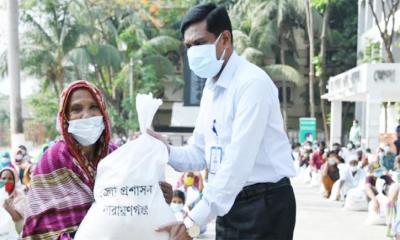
(239, 137)
(350, 176)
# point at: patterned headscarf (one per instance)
(73, 145)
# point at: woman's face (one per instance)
(7, 176)
(82, 105)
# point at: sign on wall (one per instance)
(308, 129)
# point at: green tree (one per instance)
(113, 44)
(270, 32)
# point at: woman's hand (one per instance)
(166, 189)
(9, 205)
(10, 208)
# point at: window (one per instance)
(289, 94)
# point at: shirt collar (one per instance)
(227, 73)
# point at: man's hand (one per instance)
(159, 137)
(166, 189)
(177, 231)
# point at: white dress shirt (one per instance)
(244, 105)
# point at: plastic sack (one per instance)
(315, 179)
(375, 218)
(356, 200)
(129, 203)
(390, 222)
(7, 226)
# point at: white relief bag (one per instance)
(129, 203)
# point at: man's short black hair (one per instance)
(216, 17)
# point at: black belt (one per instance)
(261, 188)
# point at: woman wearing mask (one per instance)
(61, 189)
(15, 205)
(330, 172)
(21, 161)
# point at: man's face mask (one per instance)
(203, 59)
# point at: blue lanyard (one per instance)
(214, 129)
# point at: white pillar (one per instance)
(336, 122)
(372, 123)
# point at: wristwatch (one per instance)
(193, 230)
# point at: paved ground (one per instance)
(318, 218)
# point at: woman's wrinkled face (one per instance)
(7, 176)
(82, 105)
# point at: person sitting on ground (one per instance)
(350, 176)
(306, 155)
(192, 185)
(21, 161)
(330, 172)
(178, 204)
(318, 158)
(296, 151)
(61, 188)
(362, 158)
(26, 181)
(397, 141)
(371, 186)
(15, 205)
(5, 160)
(387, 158)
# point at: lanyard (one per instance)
(214, 129)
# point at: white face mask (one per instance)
(386, 149)
(353, 168)
(331, 162)
(86, 131)
(19, 157)
(203, 60)
(176, 207)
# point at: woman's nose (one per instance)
(86, 114)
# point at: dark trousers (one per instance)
(264, 211)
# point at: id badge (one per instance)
(216, 154)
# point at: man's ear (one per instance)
(226, 38)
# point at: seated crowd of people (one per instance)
(364, 180)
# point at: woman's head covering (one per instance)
(62, 123)
(15, 176)
(61, 189)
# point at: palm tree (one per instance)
(14, 74)
(279, 19)
(310, 31)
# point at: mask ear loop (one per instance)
(223, 53)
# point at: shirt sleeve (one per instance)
(249, 124)
(190, 157)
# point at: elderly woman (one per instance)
(16, 203)
(61, 189)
